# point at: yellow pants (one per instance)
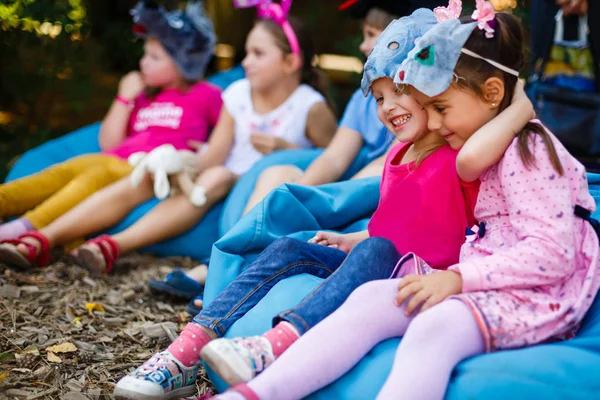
(47, 195)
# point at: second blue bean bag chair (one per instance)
(562, 370)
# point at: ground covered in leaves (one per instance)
(66, 335)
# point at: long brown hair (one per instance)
(310, 75)
(507, 48)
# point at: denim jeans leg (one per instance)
(374, 258)
(283, 258)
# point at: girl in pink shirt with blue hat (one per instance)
(529, 270)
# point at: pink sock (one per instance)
(186, 348)
(14, 229)
(282, 336)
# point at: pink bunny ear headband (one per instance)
(485, 15)
(276, 12)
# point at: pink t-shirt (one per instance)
(172, 117)
(425, 209)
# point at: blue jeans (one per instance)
(374, 258)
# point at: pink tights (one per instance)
(433, 343)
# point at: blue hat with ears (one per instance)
(429, 67)
(188, 36)
(393, 46)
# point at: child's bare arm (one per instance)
(487, 146)
(335, 160)
(114, 125)
(320, 125)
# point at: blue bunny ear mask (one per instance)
(429, 67)
(188, 36)
(393, 46)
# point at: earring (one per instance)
(493, 105)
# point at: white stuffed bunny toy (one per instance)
(165, 161)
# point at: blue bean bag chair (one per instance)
(563, 370)
(301, 158)
(195, 243)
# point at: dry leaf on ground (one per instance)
(66, 347)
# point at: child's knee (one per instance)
(279, 174)
(374, 292)
(217, 181)
(286, 248)
(379, 247)
(439, 322)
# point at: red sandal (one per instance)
(98, 255)
(10, 255)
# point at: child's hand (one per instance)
(344, 243)
(519, 96)
(197, 145)
(265, 144)
(427, 290)
(131, 85)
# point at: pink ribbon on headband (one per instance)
(485, 16)
(276, 12)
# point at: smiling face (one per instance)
(157, 67)
(456, 113)
(399, 112)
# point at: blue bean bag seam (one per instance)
(258, 226)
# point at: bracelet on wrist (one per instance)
(124, 101)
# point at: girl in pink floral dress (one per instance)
(529, 270)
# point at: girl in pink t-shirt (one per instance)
(164, 103)
(527, 274)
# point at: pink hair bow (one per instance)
(485, 16)
(451, 12)
(276, 12)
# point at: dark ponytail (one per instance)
(507, 48)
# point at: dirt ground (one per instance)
(65, 335)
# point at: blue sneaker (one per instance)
(162, 377)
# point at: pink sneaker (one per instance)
(238, 360)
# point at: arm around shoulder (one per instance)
(488, 144)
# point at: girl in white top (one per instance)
(279, 105)
(287, 122)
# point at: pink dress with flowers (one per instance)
(535, 272)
